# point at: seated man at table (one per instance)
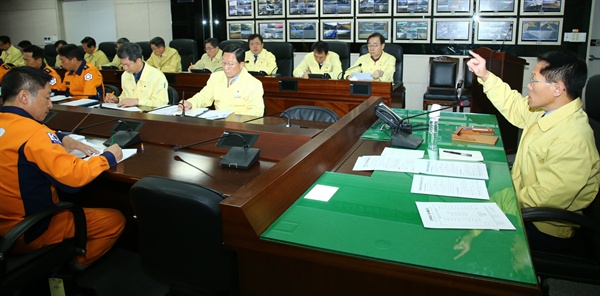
(231, 89)
(557, 163)
(379, 63)
(93, 55)
(11, 55)
(320, 61)
(34, 57)
(164, 58)
(142, 84)
(116, 62)
(258, 58)
(211, 60)
(57, 45)
(36, 162)
(82, 79)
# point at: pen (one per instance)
(142, 147)
(459, 153)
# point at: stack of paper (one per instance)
(116, 107)
(82, 102)
(463, 215)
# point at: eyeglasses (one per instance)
(229, 65)
(373, 45)
(209, 48)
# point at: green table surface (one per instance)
(376, 217)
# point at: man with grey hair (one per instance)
(116, 62)
(142, 84)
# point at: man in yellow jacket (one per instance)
(379, 63)
(258, 58)
(93, 55)
(164, 58)
(10, 54)
(320, 61)
(211, 60)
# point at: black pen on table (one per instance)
(459, 153)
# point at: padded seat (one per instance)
(311, 113)
(109, 48)
(50, 54)
(146, 49)
(284, 55)
(241, 43)
(188, 50)
(442, 82)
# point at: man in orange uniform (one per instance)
(34, 57)
(83, 80)
(36, 162)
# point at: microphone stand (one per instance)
(407, 127)
(237, 157)
(179, 147)
(257, 118)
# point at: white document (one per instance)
(127, 153)
(321, 193)
(361, 76)
(467, 188)
(58, 98)
(170, 110)
(196, 112)
(423, 166)
(464, 155)
(82, 102)
(215, 114)
(116, 107)
(463, 215)
(405, 153)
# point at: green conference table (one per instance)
(374, 216)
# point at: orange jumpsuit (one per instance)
(85, 82)
(56, 83)
(34, 165)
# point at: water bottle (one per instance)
(434, 118)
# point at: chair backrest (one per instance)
(312, 113)
(109, 88)
(50, 54)
(241, 43)
(181, 241)
(146, 49)
(443, 72)
(467, 75)
(188, 50)
(173, 96)
(396, 51)
(343, 50)
(592, 106)
(284, 55)
(109, 48)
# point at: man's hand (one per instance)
(376, 74)
(111, 98)
(185, 103)
(129, 102)
(477, 66)
(71, 144)
(116, 151)
(305, 75)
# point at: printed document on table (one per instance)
(127, 153)
(216, 114)
(406, 153)
(361, 76)
(196, 112)
(116, 107)
(170, 110)
(82, 102)
(455, 187)
(465, 155)
(423, 166)
(463, 215)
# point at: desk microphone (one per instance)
(407, 127)
(177, 158)
(237, 157)
(257, 118)
(347, 70)
(510, 27)
(124, 138)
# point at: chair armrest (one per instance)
(11, 237)
(559, 215)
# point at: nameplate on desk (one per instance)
(288, 85)
(360, 89)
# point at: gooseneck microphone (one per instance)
(407, 127)
(123, 138)
(510, 27)
(348, 70)
(257, 118)
(237, 157)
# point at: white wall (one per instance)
(29, 20)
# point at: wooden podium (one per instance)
(510, 69)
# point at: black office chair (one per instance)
(284, 55)
(18, 271)
(442, 83)
(188, 50)
(241, 43)
(464, 87)
(343, 50)
(146, 49)
(50, 54)
(109, 88)
(394, 50)
(592, 105)
(173, 96)
(109, 48)
(181, 241)
(312, 113)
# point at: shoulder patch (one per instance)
(86, 66)
(88, 77)
(53, 138)
(52, 81)
(47, 70)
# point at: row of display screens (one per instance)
(531, 31)
(341, 8)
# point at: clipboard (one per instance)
(475, 135)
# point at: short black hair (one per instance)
(378, 35)
(122, 40)
(71, 51)
(24, 43)
(212, 41)
(566, 67)
(5, 39)
(320, 46)
(36, 51)
(59, 42)
(132, 51)
(23, 78)
(158, 42)
(254, 36)
(239, 52)
(89, 41)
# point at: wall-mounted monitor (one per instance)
(300, 30)
(303, 8)
(542, 7)
(412, 7)
(495, 31)
(340, 30)
(412, 30)
(497, 7)
(453, 7)
(239, 9)
(337, 8)
(374, 8)
(271, 30)
(270, 8)
(455, 30)
(240, 29)
(366, 27)
(538, 31)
